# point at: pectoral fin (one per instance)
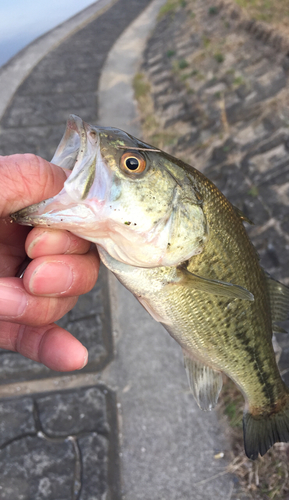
(215, 287)
(205, 383)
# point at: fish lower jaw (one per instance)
(73, 217)
(136, 251)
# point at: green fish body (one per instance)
(173, 239)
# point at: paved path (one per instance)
(16, 70)
(127, 426)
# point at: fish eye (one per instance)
(132, 162)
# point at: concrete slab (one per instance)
(167, 443)
(89, 322)
(116, 102)
(56, 446)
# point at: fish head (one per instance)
(134, 201)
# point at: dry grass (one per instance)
(152, 130)
(170, 7)
(265, 478)
(271, 11)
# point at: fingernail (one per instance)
(13, 301)
(52, 242)
(85, 359)
(51, 278)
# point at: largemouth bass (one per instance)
(172, 238)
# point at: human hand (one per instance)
(63, 267)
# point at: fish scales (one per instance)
(207, 315)
(248, 274)
(173, 239)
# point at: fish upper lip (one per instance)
(78, 151)
(78, 136)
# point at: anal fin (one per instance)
(205, 383)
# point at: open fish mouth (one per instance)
(72, 143)
(122, 195)
(79, 151)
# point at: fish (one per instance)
(174, 240)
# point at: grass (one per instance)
(183, 64)
(219, 57)
(171, 53)
(253, 191)
(213, 11)
(206, 41)
(178, 65)
(170, 7)
(141, 86)
(238, 81)
(265, 478)
(270, 11)
(151, 128)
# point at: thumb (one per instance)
(27, 179)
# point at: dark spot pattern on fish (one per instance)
(263, 377)
(230, 334)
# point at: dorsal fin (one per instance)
(279, 302)
(205, 383)
(242, 216)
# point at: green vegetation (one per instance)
(271, 11)
(140, 85)
(253, 191)
(170, 7)
(178, 66)
(171, 53)
(238, 81)
(185, 76)
(163, 139)
(206, 41)
(219, 57)
(213, 11)
(267, 477)
(151, 128)
(183, 64)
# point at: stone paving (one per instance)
(65, 81)
(63, 445)
(57, 445)
(227, 105)
(89, 321)
(222, 92)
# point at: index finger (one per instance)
(46, 241)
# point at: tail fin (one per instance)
(262, 431)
